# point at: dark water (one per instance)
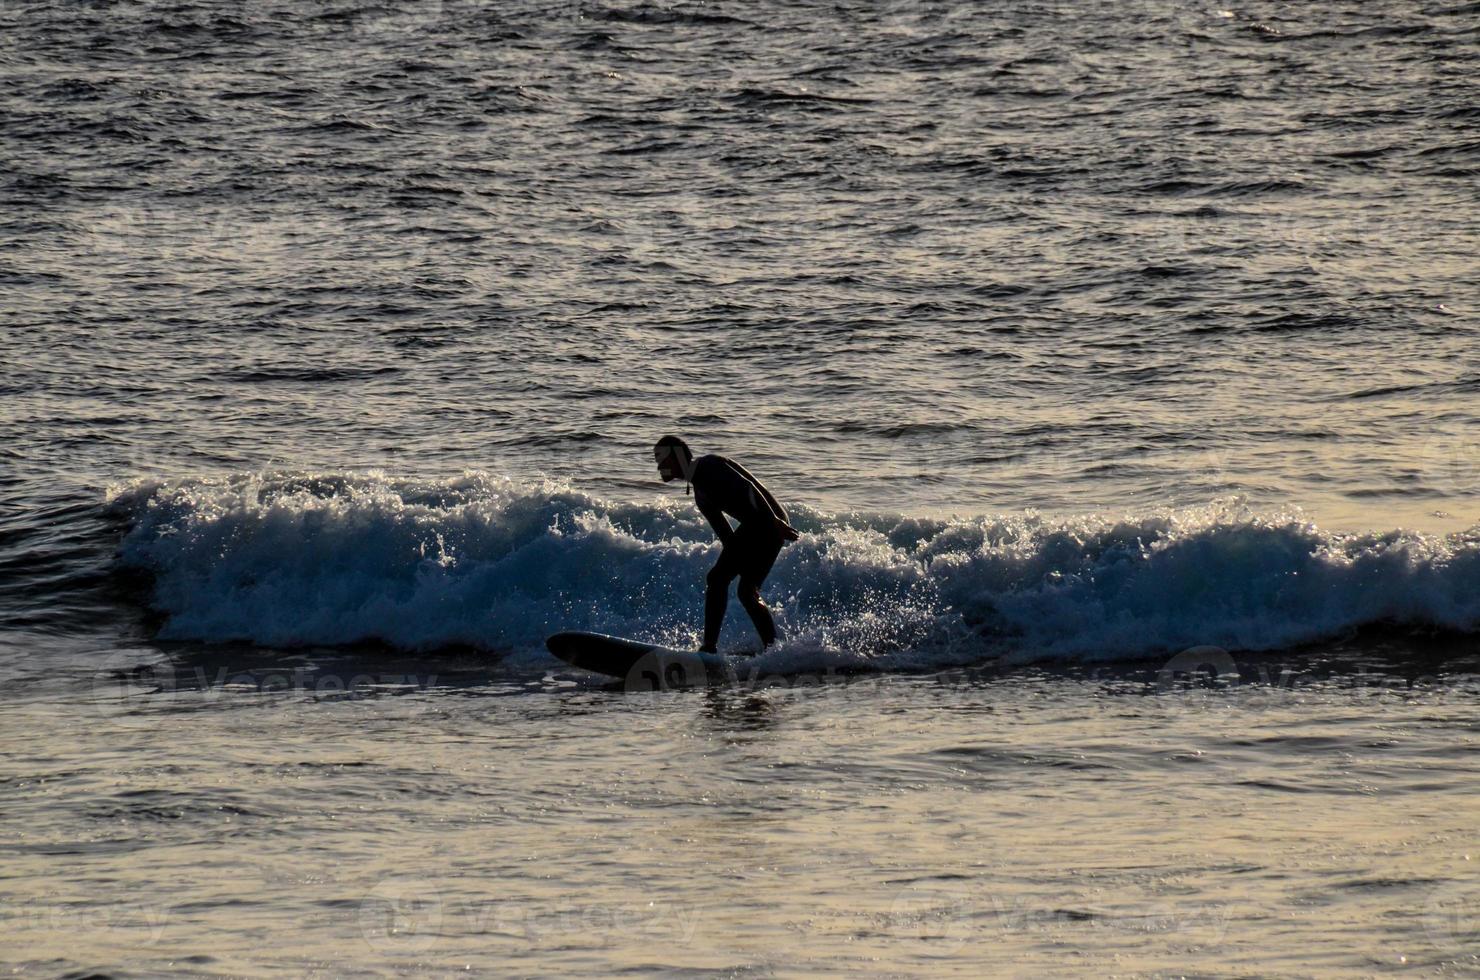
(337, 335)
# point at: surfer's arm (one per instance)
(716, 518)
(759, 493)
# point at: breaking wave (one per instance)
(288, 559)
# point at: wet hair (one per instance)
(670, 445)
(673, 446)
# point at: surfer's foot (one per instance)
(708, 648)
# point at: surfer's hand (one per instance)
(787, 532)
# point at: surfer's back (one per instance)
(731, 487)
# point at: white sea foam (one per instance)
(288, 559)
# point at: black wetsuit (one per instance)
(722, 486)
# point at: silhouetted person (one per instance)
(722, 486)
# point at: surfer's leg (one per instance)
(717, 596)
(750, 598)
(759, 559)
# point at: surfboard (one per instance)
(640, 666)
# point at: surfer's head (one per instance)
(674, 459)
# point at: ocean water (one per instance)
(1116, 360)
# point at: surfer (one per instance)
(722, 486)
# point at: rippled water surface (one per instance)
(1074, 336)
(906, 256)
(1297, 822)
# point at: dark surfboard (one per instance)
(640, 666)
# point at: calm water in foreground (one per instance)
(1292, 820)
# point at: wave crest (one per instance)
(300, 559)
